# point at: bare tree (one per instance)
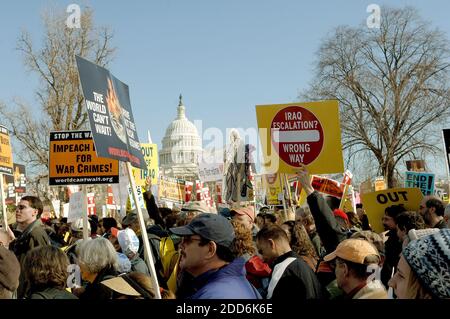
(60, 100)
(392, 85)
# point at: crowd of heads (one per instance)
(201, 241)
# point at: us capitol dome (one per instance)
(181, 148)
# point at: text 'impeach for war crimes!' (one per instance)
(73, 160)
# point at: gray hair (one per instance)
(97, 254)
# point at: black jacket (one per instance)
(392, 249)
(298, 281)
(96, 290)
(327, 227)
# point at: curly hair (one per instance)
(46, 267)
(243, 242)
(300, 242)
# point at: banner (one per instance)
(327, 186)
(424, 181)
(210, 172)
(375, 203)
(301, 133)
(6, 160)
(150, 153)
(110, 116)
(171, 190)
(72, 160)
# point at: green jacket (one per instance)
(33, 236)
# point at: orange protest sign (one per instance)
(6, 160)
(73, 160)
(327, 186)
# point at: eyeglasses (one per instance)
(20, 207)
(186, 240)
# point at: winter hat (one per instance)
(340, 213)
(9, 270)
(128, 241)
(429, 259)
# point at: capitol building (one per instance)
(181, 148)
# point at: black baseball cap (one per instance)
(209, 226)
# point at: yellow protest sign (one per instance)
(6, 160)
(376, 202)
(295, 133)
(272, 187)
(150, 152)
(171, 190)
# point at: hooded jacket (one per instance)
(228, 282)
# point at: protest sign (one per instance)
(110, 116)
(375, 203)
(301, 133)
(424, 181)
(73, 160)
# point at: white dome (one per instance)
(181, 147)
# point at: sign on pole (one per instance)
(376, 202)
(110, 116)
(6, 160)
(446, 134)
(424, 181)
(6, 166)
(150, 152)
(301, 133)
(114, 132)
(72, 160)
(272, 188)
(77, 207)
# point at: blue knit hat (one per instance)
(429, 258)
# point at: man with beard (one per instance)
(432, 210)
(393, 246)
(206, 255)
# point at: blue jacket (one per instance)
(228, 282)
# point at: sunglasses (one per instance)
(22, 207)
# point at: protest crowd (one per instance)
(233, 253)
(323, 242)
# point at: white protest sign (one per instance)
(120, 191)
(76, 207)
(56, 207)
